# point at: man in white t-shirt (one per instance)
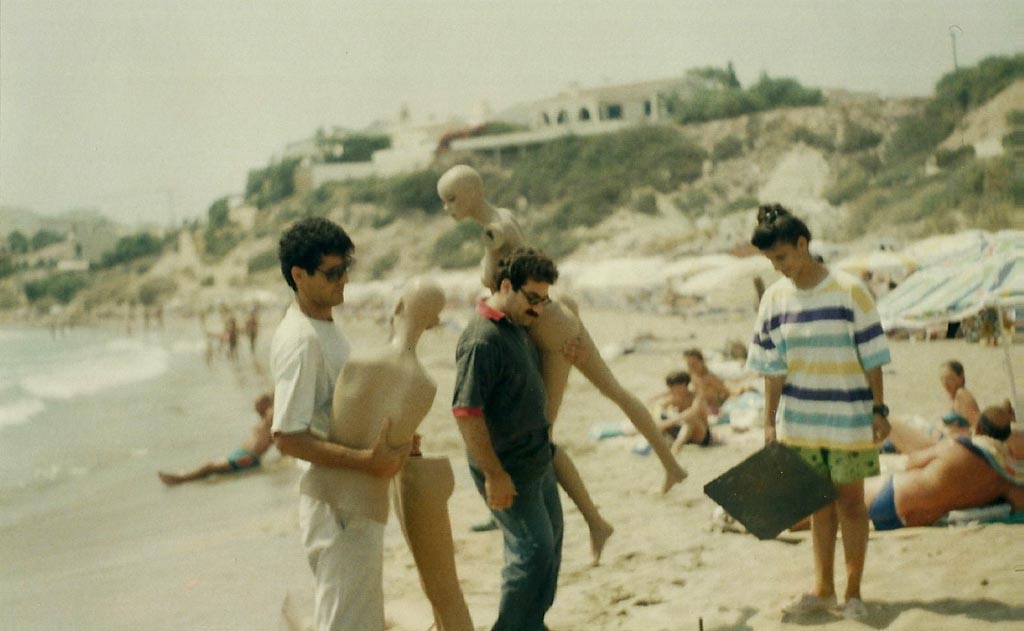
(307, 354)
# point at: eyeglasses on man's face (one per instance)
(533, 299)
(334, 274)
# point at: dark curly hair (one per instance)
(307, 241)
(776, 224)
(677, 378)
(523, 265)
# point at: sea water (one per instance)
(77, 403)
(38, 367)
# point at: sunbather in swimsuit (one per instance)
(241, 459)
(674, 430)
(883, 509)
(955, 420)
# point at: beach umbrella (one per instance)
(948, 293)
(969, 245)
(894, 265)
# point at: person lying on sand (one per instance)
(245, 457)
(950, 475)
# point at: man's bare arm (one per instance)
(880, 427)
(772, 394)
(380, 460)
(498, 485)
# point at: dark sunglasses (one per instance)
(533, 299)
(334, 274)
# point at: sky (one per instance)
(150, 110)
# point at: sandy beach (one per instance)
(115, 549)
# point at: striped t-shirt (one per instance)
(823, 340)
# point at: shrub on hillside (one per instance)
(557, 244)
(398, 195)
(945, 158)
(740, 204)
(217, 214)
(693, 202)
(384, 264)
(217, 243)
(967, 88)
(9, 266)
(272, 184)
(918, 134)
(808, 137)
(155, 290)
(18, 243)
(263, 261)
(858, 138)
(130, 248)
(60, 287)
(851, 182)
(730, 100)
(459, 247)
(955, 93)
(357, 148)
(646, 204)
(414, 191)
(44, 237)
(589, 177)
(727, 148)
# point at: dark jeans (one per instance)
(532, 530)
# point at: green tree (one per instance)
(218, 213)
(130, 248)
(44, 237)
(18, 242)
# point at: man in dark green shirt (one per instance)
(499, 405)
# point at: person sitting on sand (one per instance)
(709, 387)
(914, 434)
(952, 475)
(245, 457)
(682, 415)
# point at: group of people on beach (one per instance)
(352, 415)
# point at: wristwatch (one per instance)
(880, 408)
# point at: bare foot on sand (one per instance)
(599, 534)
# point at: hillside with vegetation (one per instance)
(857, 166)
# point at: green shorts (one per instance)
(841, 466)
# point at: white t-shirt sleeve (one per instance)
(295, 388)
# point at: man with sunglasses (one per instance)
(499, 404)
(307, 354)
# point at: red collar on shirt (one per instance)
(489, 312)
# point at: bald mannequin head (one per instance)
(462, 192)
(420, 306)
(995, 421)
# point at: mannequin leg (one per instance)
(421, 497)
(570, 480)
(594, 368)
(555, 368)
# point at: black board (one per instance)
(771, 490)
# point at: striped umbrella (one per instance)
(946, 293)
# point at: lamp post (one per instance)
(952, 36)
